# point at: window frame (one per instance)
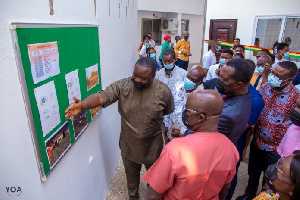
(160, 32)
(282, 29)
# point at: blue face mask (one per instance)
(274, 81)
(188, 84)
(286, 55)
(221, 60)
(170, 66)
(218, 48)
(289, 43)
(260, 69)
(275, 51)
(153, 55)
(146, 44)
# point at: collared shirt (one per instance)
(194, 167)
(211, 74)
(277, 61)
(274, 120)
(175, 118)
(180, 46)
(256, 80)
(152, 42)
(235, 116)
(141, 117)
(176, 75)
(209, 59)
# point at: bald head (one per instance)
(196, 74)
(264, 59)
(209, 102)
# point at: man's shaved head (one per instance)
(209, 102)
(265, 59)
(197, 73)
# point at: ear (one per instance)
(239, 84)
(202, 117)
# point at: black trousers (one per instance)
(259, 160)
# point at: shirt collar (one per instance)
(284, 91)
(172, 72)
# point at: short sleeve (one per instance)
(143, 51)
(230, 176)
(162, 173)
(206, 61)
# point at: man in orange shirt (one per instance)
(183, 51)
(200, 165)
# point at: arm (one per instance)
(151, 194)
(224, 191)
(91, 101)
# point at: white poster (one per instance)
(47, 104)
(73, 86)
(44, 60)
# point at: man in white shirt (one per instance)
(180, 92)
(282, 53)
(209, 57)
(170, 74)
(143, 51)
(151, 41)
(225, 55)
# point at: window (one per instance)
(153, 26)
(184, 26)
(278, 28)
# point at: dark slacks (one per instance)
(183, 64)
(259, 160)
(132, 171)
(241, 143)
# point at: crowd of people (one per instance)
(191, 128)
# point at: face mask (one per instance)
(146, 44)
(185, 119)
(153, 55)
(274, 81)
(289, 43)
(260, 69)
(221, 60)
(188, 84)
(138, 85)
(170, 66)
(275, 51)
(295, 117)
(221, 87)
(218, 48)
(186, 37)
(286, 55)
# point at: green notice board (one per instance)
(76, 51)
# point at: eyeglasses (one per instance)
(281, 79)
(274, 176)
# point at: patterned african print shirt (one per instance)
(274, 120)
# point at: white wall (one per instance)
(194, 7)
(76, 176)
(245, 12)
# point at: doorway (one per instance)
(222, 30)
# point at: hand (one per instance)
(175, 133)
(73, 109)
(265, 73)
